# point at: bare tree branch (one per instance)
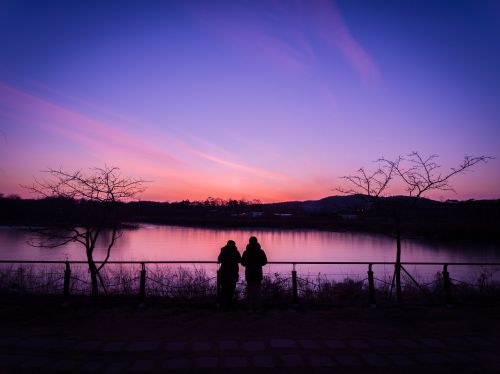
(417, 173)
(95, 194)
(371, 184)
(421, 174)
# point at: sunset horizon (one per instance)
(248, 100)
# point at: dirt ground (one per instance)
(126, 320)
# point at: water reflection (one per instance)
(159, 242)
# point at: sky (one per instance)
(272, 100)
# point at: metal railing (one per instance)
(447, 281)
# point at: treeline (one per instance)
(475, 220)
(15, 210)
(459, 220)
(218, 202)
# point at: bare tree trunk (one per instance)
(397, 270)
(93, 274)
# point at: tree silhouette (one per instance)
(418, 175)
(86, 204)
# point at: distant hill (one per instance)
(330, 204)
(339, 204)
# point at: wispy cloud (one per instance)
(333, 29)
(248, 32)
(185, 172)
(240, 167)
(33, 111)
(281, 33)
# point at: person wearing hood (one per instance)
(253, 259)
(229, 258)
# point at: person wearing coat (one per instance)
(253, 259)
(229, 258)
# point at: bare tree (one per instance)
(418, 175)
(85, 205)
(372, 184)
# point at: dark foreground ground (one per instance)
(40, 335)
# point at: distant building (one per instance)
(238, 214)
(348, 216)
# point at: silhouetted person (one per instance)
(229, 258)
(253, 259)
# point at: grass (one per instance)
(197, 285)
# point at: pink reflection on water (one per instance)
(168, 243)
(153, 242)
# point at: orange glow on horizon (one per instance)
(177, 170)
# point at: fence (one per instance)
(147, 282)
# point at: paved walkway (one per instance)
(467, 353)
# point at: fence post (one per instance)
(294, 287)
(371, 286)
(142, 286)
(20, 278)
(447, 286)
(218, 289)
(67, 277)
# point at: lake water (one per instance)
(161, 242)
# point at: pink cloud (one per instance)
(186, 175)
(248, 169)
(34, 111)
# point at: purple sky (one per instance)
(272, 100)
